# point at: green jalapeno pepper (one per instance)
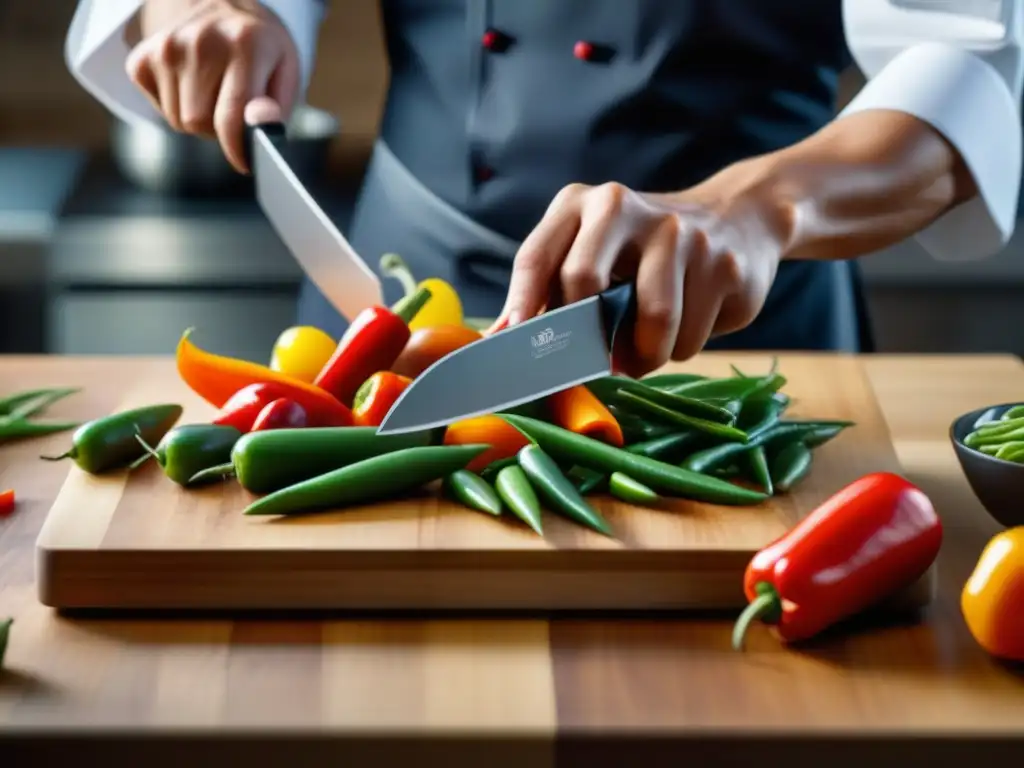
(473, 491)
(791, 465)
(110, 443)
(270, 460)
(380, 477)
(556, 489)
(563, 445)
(515, 489)
(624, 487)
(189, 449)
(667, 415)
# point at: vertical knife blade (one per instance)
(563, 347)
(316, 244)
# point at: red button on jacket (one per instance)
(583, 50)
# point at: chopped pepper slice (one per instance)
(216, 378)
(376, 396)
(505, 441)
(7, 502)
(578, 410)
(281, 414)
(371, 343)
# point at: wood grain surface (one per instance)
(293, 686)
(137, 540)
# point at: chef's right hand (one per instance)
(201, 61)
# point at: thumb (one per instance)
(263, 109)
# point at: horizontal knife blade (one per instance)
(544, 355)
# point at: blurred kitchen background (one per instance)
(103, 254)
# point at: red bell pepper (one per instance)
(243, 408)
(7, 502)
(871, 539)
(372, 343)
(280, 414)
(376, 396)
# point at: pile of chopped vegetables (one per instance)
(300, 433)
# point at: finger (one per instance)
(140, 72)
(540, 256)
(165, 59)
(245, 79)
(702, 298)
(659, 301)
(167, 87)
(200, 80)
(283, 86)
(587, 268)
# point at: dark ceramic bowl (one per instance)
(998, 484)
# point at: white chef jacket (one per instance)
(955, 64)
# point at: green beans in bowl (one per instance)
(989, 444)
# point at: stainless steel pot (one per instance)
(161, 160)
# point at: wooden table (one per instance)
(573, 687)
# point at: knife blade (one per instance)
(553, 351)
(318, 246)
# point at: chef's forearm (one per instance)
(864, 182)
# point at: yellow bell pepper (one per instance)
(444, 306)
(302, 352)
(992, 598)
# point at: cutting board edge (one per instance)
(63, 583)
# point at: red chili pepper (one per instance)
(242, 409)
(280, 414)
(372, 343)
(874, 537)
(6, 502)
(376, 396)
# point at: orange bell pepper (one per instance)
(992, 600)
(376, 396)
(216, 379)
(578, 410)
(504, 439)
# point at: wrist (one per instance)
(757, 198)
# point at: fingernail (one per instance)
(515, 317)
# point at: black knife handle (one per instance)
(275, 131)
(618, 304)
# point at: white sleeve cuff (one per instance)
(969, 103)
(95, 51)
(302, 20)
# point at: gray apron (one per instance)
(811, 306)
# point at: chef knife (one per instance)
(322, 251)
(553, 351)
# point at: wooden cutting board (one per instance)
(136, 540)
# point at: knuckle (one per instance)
(608, 198)
(581, 277)
(201, 39)
(659, 315)
(167, 50)
(730, 270)
(570, 194)
(242, 33)
(195, 123)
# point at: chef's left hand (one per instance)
(702, 264)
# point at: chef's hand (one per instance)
(201, 62)
(701, 267)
